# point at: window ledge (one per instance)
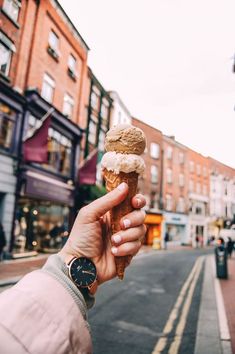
(53, 53)
(5, 78)
(72, 75)
(10, 18)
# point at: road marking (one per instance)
(162, 342)
(223, 322)
(174, 348)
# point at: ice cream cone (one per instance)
(112, 180)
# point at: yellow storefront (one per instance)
(153, 222)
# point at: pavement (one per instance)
(216, 321)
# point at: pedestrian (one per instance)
(166, 239)
(230, 245)
(2, 240)
(46, 311)
(197, 241)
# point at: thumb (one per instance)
(100, 206)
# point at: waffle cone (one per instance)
(112, 180)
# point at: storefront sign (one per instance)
(176, 219)
(49, 189)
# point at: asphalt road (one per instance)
(133, 316)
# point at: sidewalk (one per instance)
(12, 271)
(216, 321)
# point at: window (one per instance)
(198, 188)
(204, 189)
(59, 148)
(169, 202)
(5, 59)
(191, 166)
(191, 186)
(204, 171)
(72, 62)
(53, 41)
(154, 174)
(92, 133)
(59, 152)
(198, 170)
(169, 152)
(169, 175)
(94, 100)
(12, 8)
(181, 180)
(101, 140)
(48, 87)
(154, 150)
(181, 157)
(7, 124)
(181, 205)
(68, 106)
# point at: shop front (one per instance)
(42, 214)
(153, 222)
(176, 225)
(11, 112)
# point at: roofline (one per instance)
(71, 23)
(120, 101)
(94, 78)
(139, 120)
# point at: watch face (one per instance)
(83, 272)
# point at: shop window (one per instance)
(40, 226)
(48, 87)
(154, 174)
(12, 8)
(7, 124)
(5, 59)
(68, 106)
(154, 150)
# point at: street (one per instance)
(142, 314)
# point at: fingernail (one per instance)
(114, 250)
(117, 238)
(138, 202)
(122, 186)
(126, 223)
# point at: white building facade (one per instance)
(120, 113)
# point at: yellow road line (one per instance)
(162, 342)
(174, 348)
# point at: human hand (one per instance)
(90, 235)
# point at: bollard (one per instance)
(221, 262)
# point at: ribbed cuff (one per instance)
(57, 268)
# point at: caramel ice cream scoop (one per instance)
(125, 139)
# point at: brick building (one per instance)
(198, 197)
(175, 190)
(150, 185)
(43, 66)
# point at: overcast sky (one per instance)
(171, 63)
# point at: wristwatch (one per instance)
(82, 271)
